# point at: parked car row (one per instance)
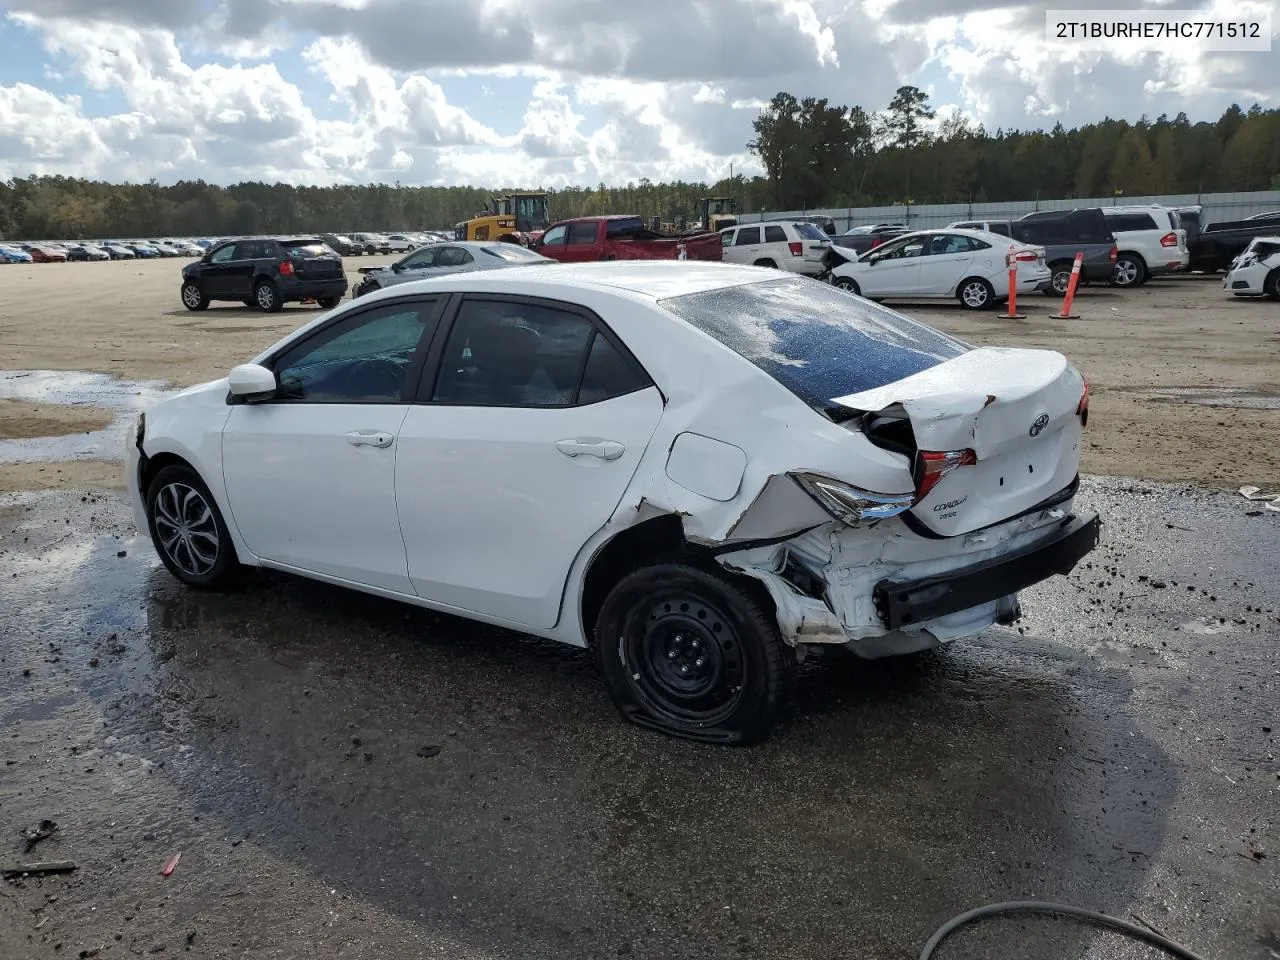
(360, 244)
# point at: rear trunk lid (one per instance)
(314, 261)
(1018, 411)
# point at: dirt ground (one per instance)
(1185, 380)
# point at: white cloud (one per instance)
(662, 89)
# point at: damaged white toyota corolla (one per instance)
(693, 468)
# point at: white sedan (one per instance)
(694, 468)
(970, 265)
(1256, 272)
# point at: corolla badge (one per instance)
(1037, 428)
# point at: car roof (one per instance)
(651, 280)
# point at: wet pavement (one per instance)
(347, 777)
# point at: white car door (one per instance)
(746, 248)
(310, 474)
(944, 263)
(892, 269)
(520, 451)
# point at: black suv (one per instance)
(266, 273)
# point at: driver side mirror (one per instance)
(397, 267)
(251, 382)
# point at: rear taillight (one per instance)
(1169, 240)
(286, 268)
(1114, 254)
(796, 248)
(1082, 408)
(1026, 256)
(932, 466)
(875, 242)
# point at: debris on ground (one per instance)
(430, 750)
(40, 831)
(35, 869)
(1271, 501)
(170, 864)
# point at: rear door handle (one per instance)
(604, 449)
(369, 438)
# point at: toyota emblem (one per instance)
(1037, 428)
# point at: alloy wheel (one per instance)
(191, 296)
(1125, 273)
(975, 294)
(266, 296)
(186, 528)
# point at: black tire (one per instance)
(1271, 286)
(848, 284)
(193, 298)
(1059, 279)
(975, 293)
(1130, 270)
(672, 617)
(178, 493)
(266, 297)
(328, 303)
(765, 262)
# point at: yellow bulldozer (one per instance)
(512, 218)
(718, 213)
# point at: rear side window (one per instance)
(809, 232)
(608, 373)
(306, 250)
(774, 235)
(1001, 228)
(1131, 221)
(581, 233)
(747, 236)
(818, 342)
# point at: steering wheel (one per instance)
(378, 376)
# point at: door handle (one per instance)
(604, 449)
(369, 438)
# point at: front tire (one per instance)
(1271, 286)
(688, 652)
(975, 294)
(267, 297)
(193, 298)
(847, 284)
(187, 529)
(1129, 271)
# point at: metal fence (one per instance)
(1215, 207)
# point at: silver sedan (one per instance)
(438, 259)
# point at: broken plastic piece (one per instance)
(170, 864)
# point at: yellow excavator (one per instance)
(718, 213)
(512, 218)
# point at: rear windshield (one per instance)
(818, 342)
(809, 231)
(306, 248)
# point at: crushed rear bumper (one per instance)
(905, 603)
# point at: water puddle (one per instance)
(74, 388)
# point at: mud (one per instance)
(347, 777)
(1145, 352)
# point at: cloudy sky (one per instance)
(537, 92)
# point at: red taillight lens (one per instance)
(1114, 254)
(932, 466)
(286, 268)
(797, 249)
(1025, 256)
(1082, 408)
(875, 242)
(1169, 240)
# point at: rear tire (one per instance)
(689, 652)
(1059, 280)
(975, 293)
(193, 298)
(1130, 270)
(187, 529)
(267, 297)
(328, 303)
(766, 263)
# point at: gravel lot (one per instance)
(348, 777)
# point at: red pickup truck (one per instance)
(621, 238)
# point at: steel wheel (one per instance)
(186, 528)
(975, 294)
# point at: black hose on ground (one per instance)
(1057, 910)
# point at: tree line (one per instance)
(815, 155)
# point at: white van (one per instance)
(1150, 240)
(796, 247)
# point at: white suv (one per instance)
(797, 247)
(1150, 241)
